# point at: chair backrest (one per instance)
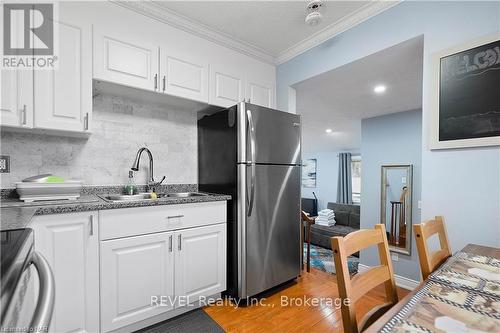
(360, 284)
(429, 261)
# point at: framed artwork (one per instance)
(309, 173)
(465, 98)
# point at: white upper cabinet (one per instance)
(226, 85)
(125, 58)
(69, 242)
(16, 86)
(184, 74)
(63, 96)
(16, 99)
(260, 91)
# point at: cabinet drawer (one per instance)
(116, 223)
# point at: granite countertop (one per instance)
(18, 215)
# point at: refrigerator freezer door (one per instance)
(270, 136)
(271, 230)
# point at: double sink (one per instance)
(147, 196)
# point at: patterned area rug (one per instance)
(322, 259)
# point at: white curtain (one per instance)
(344, 184)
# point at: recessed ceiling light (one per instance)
(328, 130)
(379, 89)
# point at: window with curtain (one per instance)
(356, 179)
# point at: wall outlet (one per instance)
(395, 257)
(4, 164)
(403, 180)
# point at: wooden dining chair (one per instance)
(360, 284)
(430, 261)
(307, 233)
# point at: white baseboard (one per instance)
(401, 281)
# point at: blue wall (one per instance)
(327, 166)
(390, 139)
(464, 184)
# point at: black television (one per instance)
(310, 206)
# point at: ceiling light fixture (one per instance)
(379, 89)
(314, 16)
(328, 130)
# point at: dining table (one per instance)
(462, 295)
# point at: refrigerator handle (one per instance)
(251, 163)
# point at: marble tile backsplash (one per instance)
(119, 128)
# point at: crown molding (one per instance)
(160, 13)
(362, 14)
(165, 15)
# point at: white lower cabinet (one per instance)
(70, 244)
(133, 271)
(107, 279)
(144, 276)
(200, 262)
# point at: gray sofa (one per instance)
(347, 220)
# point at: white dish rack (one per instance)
(31, 191)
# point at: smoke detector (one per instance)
(314, 16)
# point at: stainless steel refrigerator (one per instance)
(254, 154)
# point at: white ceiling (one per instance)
(273, 26)
(340, 98)
(273, 31)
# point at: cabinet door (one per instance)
(16, 100)
(184, 74)
(63, 96)
(200, 262)
(133, 270)
(127, 59)
(16, 85)
(260, 92)
(70, 244)
(226, 86)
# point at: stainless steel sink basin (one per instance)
(127, 197)
(147, 196)
(184, 194)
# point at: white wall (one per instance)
(463, 185)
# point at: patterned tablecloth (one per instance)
(463, 295)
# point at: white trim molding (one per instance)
(401, 281)
(155, 10)
(367, 11)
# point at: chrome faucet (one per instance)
(152, 184)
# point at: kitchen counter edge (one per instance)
(20, 217)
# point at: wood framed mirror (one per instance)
(396, 206)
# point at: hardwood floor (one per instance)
(270, 316)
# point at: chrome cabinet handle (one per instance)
(156, 81)
(91, 225)
(174, 216)
(23, 115)
(86, 122)
(251, 163)
(164, 83)
(179, 246)
(170, 243)
(45, 305)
